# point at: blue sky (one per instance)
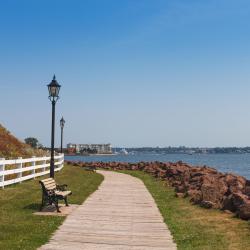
(133, 73)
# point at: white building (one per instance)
(100, 148)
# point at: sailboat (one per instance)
(124, 152)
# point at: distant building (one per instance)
(95, 148)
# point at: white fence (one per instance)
(18, 170)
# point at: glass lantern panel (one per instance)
(53, 91)
(57, 90)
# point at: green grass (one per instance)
(19, 228)
(193, 227)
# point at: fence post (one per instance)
(2, 169)
(62, 159)
(33, 164)
(44, 162)
(20, 166)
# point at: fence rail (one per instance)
(18, 170)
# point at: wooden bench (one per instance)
(90, 168)
(53, 192)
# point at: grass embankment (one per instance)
(194, 227)
(19, 228)
(11, 147)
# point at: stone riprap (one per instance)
(204, 185)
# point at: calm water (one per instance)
(236, 163)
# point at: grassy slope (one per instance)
(11, 147)
(193, 227)
(19, 228)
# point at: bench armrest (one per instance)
(61, 187)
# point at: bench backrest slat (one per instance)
(49, 184)
(47, 180)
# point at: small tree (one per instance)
(33, 142)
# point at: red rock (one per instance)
(239, 199)
(180, 189)
(244, 211)
(207, 204)
(195, 196)
(161, 174)
(213, 189)
(236, 183)
(228, 212)
(180, 195)
(227, 203)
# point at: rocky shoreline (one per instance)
(203, 185)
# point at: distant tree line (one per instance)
(188, 150)
(33, 142)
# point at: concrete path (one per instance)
(120, 215)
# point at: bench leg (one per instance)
(66, 201)
(42, 205)
(57, 207)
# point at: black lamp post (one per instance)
(62, 122)
(54, 89)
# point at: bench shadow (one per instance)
(33, 206)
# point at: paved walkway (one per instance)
(120, 215)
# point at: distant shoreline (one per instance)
(89, 154)
(101, 154)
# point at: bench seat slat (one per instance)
(50, 186)
(63, 193)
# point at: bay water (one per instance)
(233, 163)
